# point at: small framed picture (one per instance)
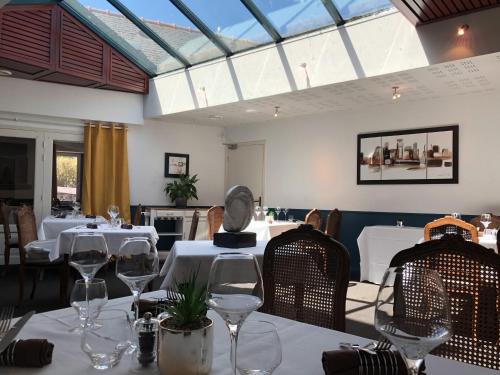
(176, 165)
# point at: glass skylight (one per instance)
(349, 9)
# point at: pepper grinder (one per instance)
(147, 331)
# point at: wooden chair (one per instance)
(194, 225)
(495, 222)
(333, 224)
(449, 225)
(37, 259)
(306, 274)
(137, 215)
(313, 218)
(471, 276)
(9, 241)
(215, 216)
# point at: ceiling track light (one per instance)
(5, 73)
(395, 93)
(276, 111)
(462, 29)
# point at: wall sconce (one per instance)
(395, 93)
(462, 29)
(276, 111)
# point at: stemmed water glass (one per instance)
(136, 265)
(285, 211)
(113, 212)
(257, 213)
(266, 210)
(413, 312)
(98, 297)
(485, 220)
(89, 252)
(234, 290)
(278, 212)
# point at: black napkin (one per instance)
(92, 225)
(127, 226)
(61, 215)
(90, 217)
(355, 362)
(27, 353)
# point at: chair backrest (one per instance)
(313, 218)
(194, 225)
(26, 226)
(495, 222)
(449, 225)
(215, 216)
(306, 274)
(137, 215)
(471, 276)
(5, 215)
(333, 224)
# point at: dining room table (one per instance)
(51, 226)
(114, 236)
(266, 230)
(187, 257)
(302, 346)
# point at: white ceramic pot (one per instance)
(186, 352)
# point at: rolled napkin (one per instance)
(359, 362)
(90, 217)
(127, 226)
(92, 226)
(27, 353)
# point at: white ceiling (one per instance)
(476, 75)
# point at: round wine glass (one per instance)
(136, 265)
(257, 213)
(265, 209)
(285, 211)
(259, 348)
(278, 212)
(234, 290)
(98, 297)
(89, 252)
(486, 221)
(113, 212)
(413, 311)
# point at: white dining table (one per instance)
(113, 236)
(302, 346)
(186, 257)
(265, 230)
(51, 226)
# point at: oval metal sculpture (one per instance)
(238, 210)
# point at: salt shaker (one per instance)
(147, 331)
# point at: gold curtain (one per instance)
(105, 179)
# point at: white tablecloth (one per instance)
(488, 241)
(113, 236)
(377, 246)
(188, 256)
(265, 231)
(51, 226)
(302, 345)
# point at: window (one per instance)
(68, 176)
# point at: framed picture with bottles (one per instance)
(414, 156)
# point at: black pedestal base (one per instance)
(235, 240)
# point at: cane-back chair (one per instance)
(194, 225)
(471, 276)
(306, 274)
(333, 224)
(215, 216)
(449, 225)
(313, 218)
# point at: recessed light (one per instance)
(5, 72)
(215, 117)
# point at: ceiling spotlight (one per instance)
(5, 72)
(395, 93)
(462, 29)
(276, 111)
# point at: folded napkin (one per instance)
(92, 226)
(27, 353)
(127, 226)
(90, 217)
(61, 215)
(360, 362)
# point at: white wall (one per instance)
(311, 161)
(147, 147)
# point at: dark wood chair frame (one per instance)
(333, 223)
(215, 217)
(5, 214)
(194, 225)
(313, 218)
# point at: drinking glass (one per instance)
(285, 211)
(257, 213)
(136, 265)
(234, 290)
(113, 211)
(259, 348)
(98, 297)
(266, 210)
(456, 215)
(76, 208)
(278, 212)
(485, 220)
(413, 311)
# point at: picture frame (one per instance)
(176, 165)
(414, 156)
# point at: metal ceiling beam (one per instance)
(202, 26)
(263, 20)
(149, 32)
(334, 13)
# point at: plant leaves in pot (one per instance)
(180, 191)
(186, 336)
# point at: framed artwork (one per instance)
(416, 156)
(176, 165)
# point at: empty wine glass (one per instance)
(266, 210)
(113, 212)
(257, 212)
(259, 348)
(285, 211)
(234, 290)
(413, 312)
(137, 265)
(485, 220)
(456, 215)
(278, 212)
(98, 297)
(76, 208)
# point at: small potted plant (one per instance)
(186, 336)
(182, 190)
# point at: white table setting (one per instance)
(51, 226)
(265, 230)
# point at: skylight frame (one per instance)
(263, 20)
